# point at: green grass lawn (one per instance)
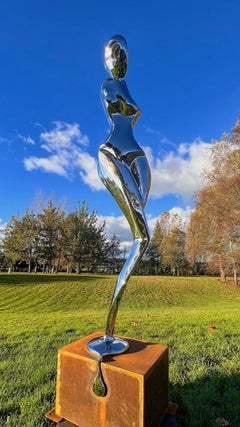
(41, 313)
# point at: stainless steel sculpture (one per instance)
(125, 172)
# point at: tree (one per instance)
(166, 251)
(84, 239)
(21, 239)
(235, 138)
(153, 256)
(51, 235)
(214, 230)
(113, 254)
(213, 234)
(173, 252)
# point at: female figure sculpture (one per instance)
(125, 172)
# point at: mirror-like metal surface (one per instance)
(124, 170)
(106, 345)
(99, 387)
(116, 58)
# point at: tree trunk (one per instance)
(235, 273)
(222, 272)
(78, 269)
(59, 262)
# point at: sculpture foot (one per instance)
(107, 345)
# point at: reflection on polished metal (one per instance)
(125, 172)
(99, 386)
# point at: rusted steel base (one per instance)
(51, 415)
(169, 419)
(137, 386)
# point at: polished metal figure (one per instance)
(124, 170)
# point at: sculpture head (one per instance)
(116, 58)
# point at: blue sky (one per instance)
(184, 67)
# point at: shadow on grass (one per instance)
(22, 279)
(213, 401)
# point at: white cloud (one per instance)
(66, 146)
(26, 139)
(64, 135)
(52, 164)
(179, 172)
(89, 171)
(64, 143)
(184, 214)
(2, 229)
(119, 226)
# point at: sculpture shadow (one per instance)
(209, 401)
(134, 347)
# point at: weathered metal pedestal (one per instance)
(169, 419)
(137, 387)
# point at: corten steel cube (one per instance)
(137, 385)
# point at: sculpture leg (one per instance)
(108, 344)
(125, 188)
(121, 183)
(138, 248)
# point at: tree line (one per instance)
(51, 240)
(210, 243)
(213, 234)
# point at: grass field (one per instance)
(40, 313)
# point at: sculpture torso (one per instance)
(123, 114)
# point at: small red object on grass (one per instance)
(212, 328)
(134, 322)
